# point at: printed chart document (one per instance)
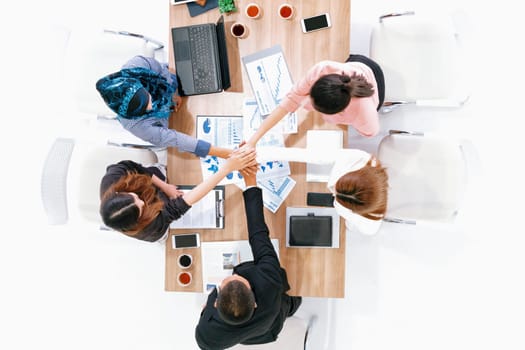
(219, 259)
(206, 213)
(269, 77)
(274, 191)
(227, 132)
(253, 119)
(222, 131)
(273, 176)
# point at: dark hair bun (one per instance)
(345, 78)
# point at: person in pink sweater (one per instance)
(348, 93)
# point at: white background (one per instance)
(74, 287)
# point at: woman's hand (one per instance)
(171, 190)
(246, 146)
(177, 100)
(241, 158)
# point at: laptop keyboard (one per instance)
(203, 66)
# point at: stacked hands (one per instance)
(242, 159)
(247, 155)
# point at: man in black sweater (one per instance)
(251, 305)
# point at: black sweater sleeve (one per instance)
(258, 234)
(173, 210)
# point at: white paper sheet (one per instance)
(218, 259)
(206, 213)
(269, 77)
(228, 132)
(328, 141)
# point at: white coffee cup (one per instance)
(253, 11)
(239, 30)
(184, 278)
(184, 261)
(286, 11)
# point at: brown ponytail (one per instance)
(364, 191)
(358, 86)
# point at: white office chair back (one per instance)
(427, 177)
(88, 166)
(421, 58)
(292, 337)
(72, 174)
(93, 53)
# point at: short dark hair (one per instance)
(235, 303)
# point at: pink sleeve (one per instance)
(367, 120)
(301, 89)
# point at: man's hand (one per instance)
(250, 175)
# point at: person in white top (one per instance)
(357, 180)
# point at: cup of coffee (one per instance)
(239, 30)
(286, 11)
(184, 278)
(253, 11)
(184, 261)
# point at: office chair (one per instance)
(422, 57)
(310, 328)
(92, 53)
(427, 176)
(72, 173)
(293, 336)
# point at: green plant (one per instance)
(226, 6)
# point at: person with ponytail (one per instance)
(357, 181)
(143, 94)
(137, 201)
(347, 93)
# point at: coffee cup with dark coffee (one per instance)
(239, 30)
(185, 261)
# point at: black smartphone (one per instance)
(311, 24)
(320, 199)
(190, 240)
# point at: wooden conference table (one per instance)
(314, 272)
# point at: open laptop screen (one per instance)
(223, 53)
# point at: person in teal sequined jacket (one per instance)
(144, 94)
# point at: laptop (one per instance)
(201, 58)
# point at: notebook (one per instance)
(201, 58)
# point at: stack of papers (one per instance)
(228, 132)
